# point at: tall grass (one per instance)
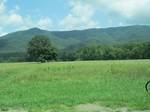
(51, 85)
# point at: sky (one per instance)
(71, 14)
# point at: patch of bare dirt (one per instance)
(97, 108)
(85, 108)
(91, 108)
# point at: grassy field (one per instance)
(59, 86)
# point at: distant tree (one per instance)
(115, 52)
(40, 49)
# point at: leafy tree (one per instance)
(113, 52)
(41, 49)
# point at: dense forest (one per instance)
(93, 52)
(109, 52)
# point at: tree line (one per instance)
(109, 52)
(126, 51)
(41, 49)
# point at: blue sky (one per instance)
(41, 8)
(71, 14)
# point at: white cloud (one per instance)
(80, 17)
(15, 19)
(45, 23)
(1, 32)
(131, 11)
(11, 20)
(2, 7)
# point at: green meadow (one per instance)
(60, 86)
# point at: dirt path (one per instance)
(97, 108)
(86, 108)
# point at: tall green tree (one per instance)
(41, 49)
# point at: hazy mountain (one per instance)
(17, 41)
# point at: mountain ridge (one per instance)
(17, 41)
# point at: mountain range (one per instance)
(17, 41)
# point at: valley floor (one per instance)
(89, 86)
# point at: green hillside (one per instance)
(17, 41)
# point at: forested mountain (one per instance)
(17, 41)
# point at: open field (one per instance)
(69, 86)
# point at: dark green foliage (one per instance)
(67, 56)
(3, 42)
(40, 49)
(12, 57)
(17, 42)
(90, 52)
(111, 52)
